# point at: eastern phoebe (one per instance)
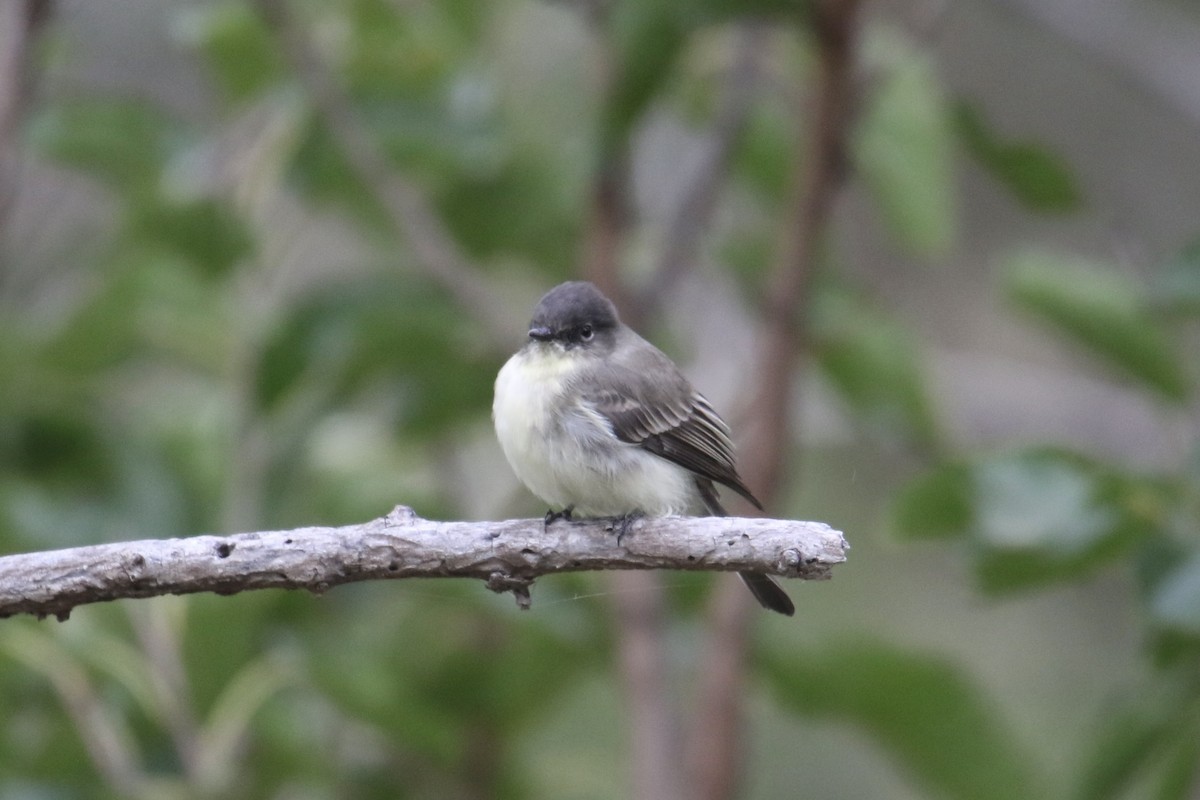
(598, 422)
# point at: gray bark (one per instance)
(507, 556)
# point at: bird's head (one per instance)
(574, 315)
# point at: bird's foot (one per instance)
(621, 525)
(554, 516)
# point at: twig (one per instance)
(609, 210)
(608, 219)
(507, 555)
(106, 739)
(168, 681)
(19, 24)
(694, 210)
(437, 253)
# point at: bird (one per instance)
(598, 422)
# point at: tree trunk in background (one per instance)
(715, 749)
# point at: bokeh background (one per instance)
(937, 263)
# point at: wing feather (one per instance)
(667, 417)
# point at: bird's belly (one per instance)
(568, 456)
(635, 481)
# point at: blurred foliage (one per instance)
(1176, 287)
(920, 710)
(1032, 517)
(902, 148)
(1037, 178)
(1105, 312)
(1046, 515)
(185, 375)
(874, 364)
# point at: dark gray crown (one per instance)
(570, 306)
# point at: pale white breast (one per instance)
(566, 453)
(528, 388)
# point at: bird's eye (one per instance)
(586, 333)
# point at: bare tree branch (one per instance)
(693, 213)
(608, 220)
(20, 21)
(507, 555)
(106, 738)
(168, 681)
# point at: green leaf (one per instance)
(902, 149)
(399, 53)
(387, 331)
(219, 645)
(416, 80)
(937, 505)
(516, 210)
(205, 232)
(1175, 601)
(749, 255)
(766, 154)
(921, 710)
(1176, 288)
(1043, 501)
(1127, 743)
(474, 670)
(1045, 515)
(123, 143)
(1032, 517)
(149, 302)
(230, 719)
(873, 363)
(237, 46)
(1152, 730)
(1157, 557)
(647, 36)
(323, 175)
(1102, 310)
(1040, 180)
(1165, 569)
(103, 330)
(58, 448)
(1179, 775)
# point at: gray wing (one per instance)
(666, 416)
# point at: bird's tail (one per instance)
(769, 594)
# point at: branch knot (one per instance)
(500, 582)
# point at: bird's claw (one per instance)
(554, 516)
(622, 525)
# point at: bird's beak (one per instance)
(541, 334)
